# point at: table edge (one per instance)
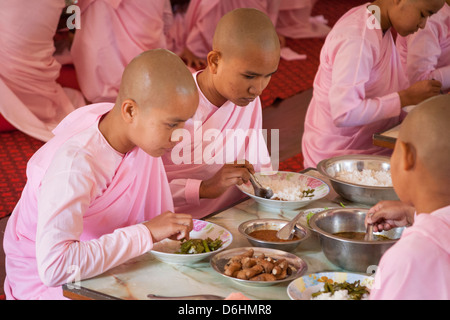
(71, 291)
(82, 293)
(380, 140)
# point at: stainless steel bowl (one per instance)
(359, 193)
(297, 265)
(352, 255)
(248, 227)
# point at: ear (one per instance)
(128, 110)
(408, 155)
(213, 59)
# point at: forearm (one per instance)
(185, 191)
(358, 112)
(71, 260)
(442, 75)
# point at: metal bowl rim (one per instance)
(266, 251)
(326, 234)
(321, 168)
(242, 226)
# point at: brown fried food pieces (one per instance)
(257, 268)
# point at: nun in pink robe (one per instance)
(202, 17)
(112, 33)
(426, 54)
(355, 91)
(416, 267)
(50, 239)
(211, 138)
(31, 99)
(295, 20)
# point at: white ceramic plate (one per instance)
(302, 288)
(165, 250)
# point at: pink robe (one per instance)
(31, 99)
(355, 91)
(426, 53)
(202, 17)
(195, 158)
(112, 33)
(295, 21)
(417, 266)
(80, 210)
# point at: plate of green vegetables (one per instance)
(205, 240)
(331, 286)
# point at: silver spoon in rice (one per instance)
(260, 190)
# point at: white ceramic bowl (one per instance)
(165, 250)
(303, 287)
(279, 179)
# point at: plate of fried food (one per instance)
(258, 266)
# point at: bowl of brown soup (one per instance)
(263, 233)
(341, 232)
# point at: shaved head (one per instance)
(244, 29)
(155, 76)
(157, 95)
(427, 128)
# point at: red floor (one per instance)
(292, 78)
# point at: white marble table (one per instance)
(145, 274)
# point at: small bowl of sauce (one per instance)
(270, 235)
(263, 233)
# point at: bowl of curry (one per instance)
(262, 233)
(341, 232)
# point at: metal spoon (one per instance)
(286, 233)
(260, 191)
(369, 233)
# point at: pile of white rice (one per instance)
(337, 295)
(367, 177)
(286, 190)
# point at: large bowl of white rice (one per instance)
(291, 190)
(364, 179)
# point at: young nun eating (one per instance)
(97, 194)
(360, 87)
(201, 19)
(246, 53)
(416, 266)
(426, 54)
